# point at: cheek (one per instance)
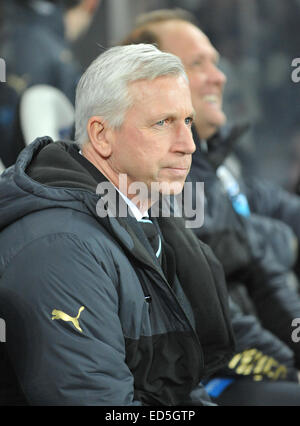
(197, 82)
(141, 161)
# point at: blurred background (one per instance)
(257, 40)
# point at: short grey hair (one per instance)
(103, 89)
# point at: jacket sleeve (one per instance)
(59, 361)
(259, 354)
(268, 284)
(223, 230)
(270, 200)
(247, 255)
(280, 236)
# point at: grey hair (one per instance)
(103, 89)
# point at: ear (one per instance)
(98, 132)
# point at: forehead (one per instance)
(163, 94)
(184, 40)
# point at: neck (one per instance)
(207, 132)
(119, 180)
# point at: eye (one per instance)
(188, 121)
(164, 122)
(197, 63)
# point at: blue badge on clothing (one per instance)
(240, 205)
(238, 199)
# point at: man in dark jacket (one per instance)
(104, 308)
(95, 313)
(255, 251)
(34, 42)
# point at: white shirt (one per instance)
(135, 211)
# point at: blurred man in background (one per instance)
(35, 37)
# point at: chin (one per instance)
(222, 119)
(171, 188)
(210, 125)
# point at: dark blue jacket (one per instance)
(91, 317)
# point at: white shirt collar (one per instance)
(135, 211)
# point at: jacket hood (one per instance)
(45, 176)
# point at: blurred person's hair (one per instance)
(103, 89)
(69, 4)
(144, 28)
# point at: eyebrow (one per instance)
(192, 114)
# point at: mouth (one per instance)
(179, 171)
(213, 100)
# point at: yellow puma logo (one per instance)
(65, 317)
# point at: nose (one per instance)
(184, 140)
(215, 75)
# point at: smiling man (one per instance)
(201, 64)
(112, 310)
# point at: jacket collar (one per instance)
(221, 144)
(56, 172)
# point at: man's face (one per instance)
(154, 143)
(200, 60)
